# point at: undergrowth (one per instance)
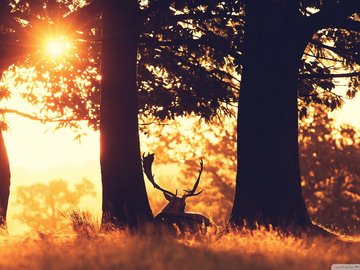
(90, 248)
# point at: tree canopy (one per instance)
(190, 56)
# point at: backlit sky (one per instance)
(34, 146)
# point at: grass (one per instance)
(117, 249)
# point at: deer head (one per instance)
(176, 204)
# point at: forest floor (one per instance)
(121, 250)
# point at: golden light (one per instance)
(57, 47)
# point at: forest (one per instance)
(219, 144)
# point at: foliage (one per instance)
(63, 89)
(330, 173)
(192, 61)
(192, 72)
(190, 57)
(331, 57)
(45, 207)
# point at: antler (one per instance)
(190, 193)
(147, 163)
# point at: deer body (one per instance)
(173, 214)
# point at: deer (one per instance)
(173, 215)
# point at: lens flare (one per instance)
(57, 47)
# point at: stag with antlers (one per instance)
(173, 214)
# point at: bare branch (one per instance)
(329, 76)
(37, 118)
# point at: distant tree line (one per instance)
(46, 207)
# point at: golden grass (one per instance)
(259, 249)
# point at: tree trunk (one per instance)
(125, 201)
(4, 181)
(4, 160)
(268, 189)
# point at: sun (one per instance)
(57, 47)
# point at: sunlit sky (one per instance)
(34, 146)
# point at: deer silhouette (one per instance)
(173, 214)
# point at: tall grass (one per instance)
(260, 249)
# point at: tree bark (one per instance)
(125, 201)
(4, 160)
(268, 187)
(4, 181)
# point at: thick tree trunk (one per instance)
(268, 189)
(4, 181)
(125, 201)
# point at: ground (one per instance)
(121, 250)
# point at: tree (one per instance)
(4, 181)
(4, 161)
(125, 200)
(45, 206)
(268, 189)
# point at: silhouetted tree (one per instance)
(125, 200)
(4, 181)
(4, 161)
(268, 189)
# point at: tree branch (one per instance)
(211, 73)
(35, 117)
(82, 17)
(339, 51)
(204, 40)
(332, 14)
(329, 76)
(154, 5)
(347, 24)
